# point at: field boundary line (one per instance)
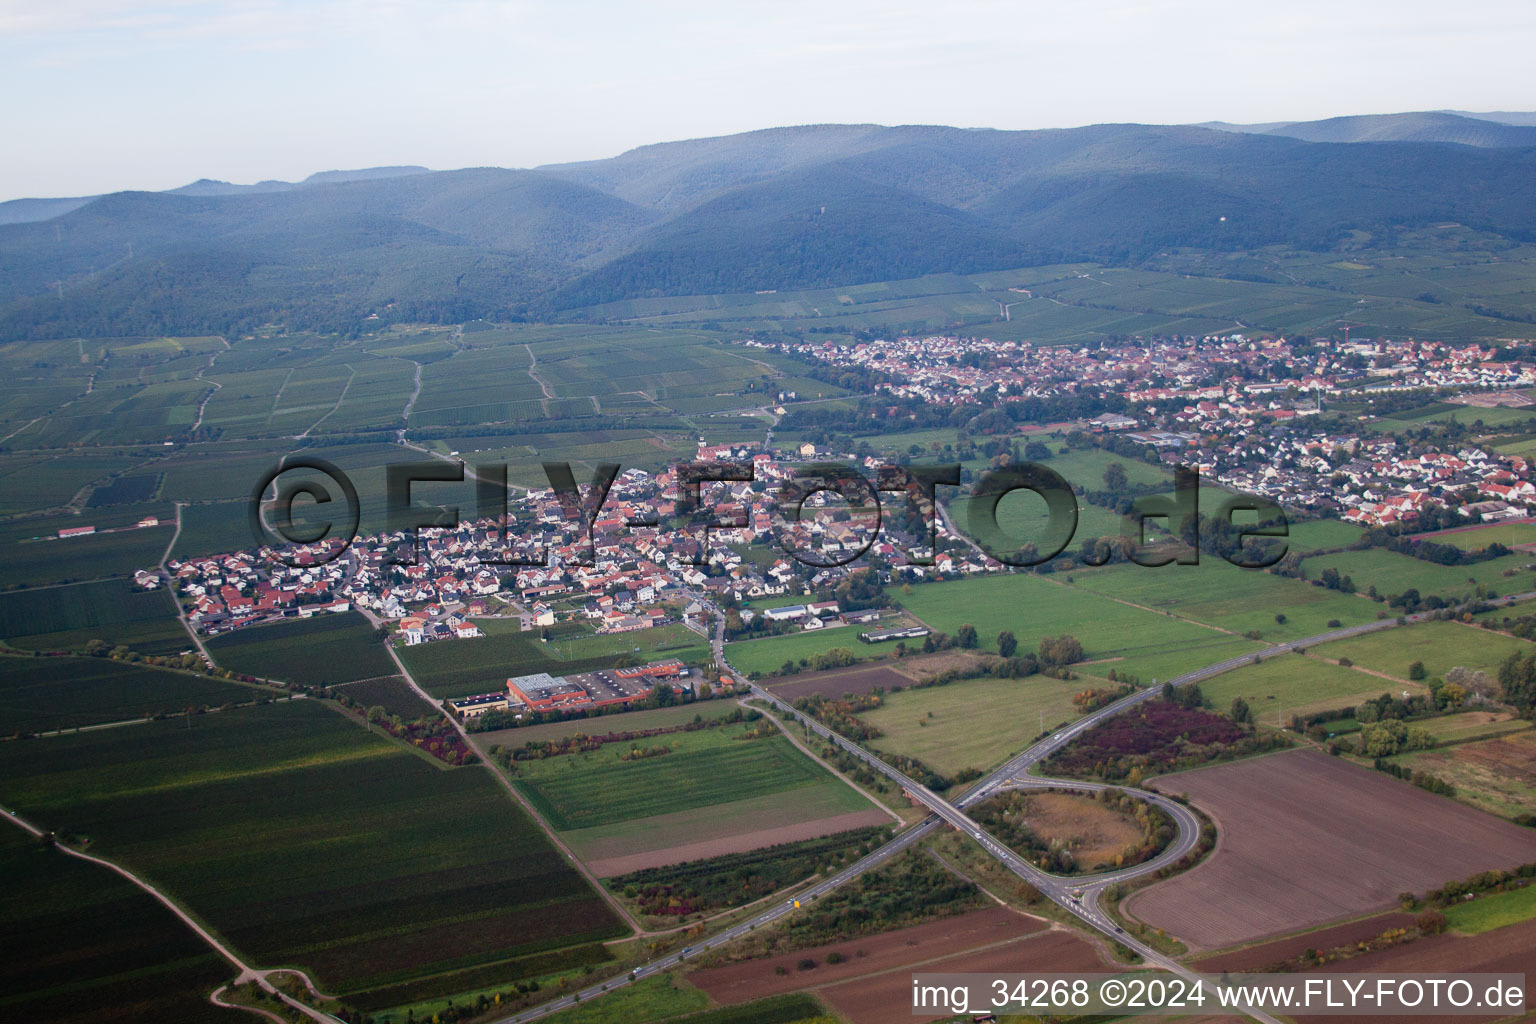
(522, 801)
(795, 742)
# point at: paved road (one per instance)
(1078, 896)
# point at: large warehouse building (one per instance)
(543, 692)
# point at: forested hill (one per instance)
(781, 208)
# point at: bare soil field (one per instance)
(883, 998)
(837, 682)
(740, 842)
(891, 673)
(1509, 950)
(1305, 839)
(869, 955)
(1094, 833)
(1265, 954)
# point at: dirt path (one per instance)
(540, 381)
(246, 971)
(351, 376)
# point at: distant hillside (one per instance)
(783, 208)
(1524, 117)
(1427, 127)
(1483, 130)
(25, 211)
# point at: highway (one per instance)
(1013, 774)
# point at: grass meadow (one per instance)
(972, 723)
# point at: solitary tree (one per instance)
(965, 636)
(1115, 478)
(1007, 643)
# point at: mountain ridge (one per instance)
(778, 208)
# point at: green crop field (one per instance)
(1144, 643)
(305, 840)
(1508, 534)
(1220, 594)
(710, 766)
(1391, 573)
(27, 562)
(390, 693)
(1322, 534)
(1289, 684)
(670, 641)
(67, 618)
(972, 723)
(1491, 911)
(626, 721)
(674, 1001)
(1441, 646)
(458, 668)
(651, 999)
(767, 654)
(326, 648)
(83, 944)
(43, 694)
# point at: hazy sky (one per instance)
(102, 95)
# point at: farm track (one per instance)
(1015, 773)
(246, 971)
(165, 573)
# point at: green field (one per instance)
(1493, 910)
(326, 648)
(390, 693)
(974, 723)
(670, 641)
(1441, 646)
(768, 654)
(664, 998)
(29, 562)
(68, 618)
(1289, 684)
(1117, 636)
(1220, 594)
(652, 999)
(1391, 573)
(653, 718)
(706, 767)
(1322, 534)
(305, 840)
(458, 668)
(43, 694)
(1508, 534)
(83, 944)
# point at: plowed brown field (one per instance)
(873, 984)
(1305, 839)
